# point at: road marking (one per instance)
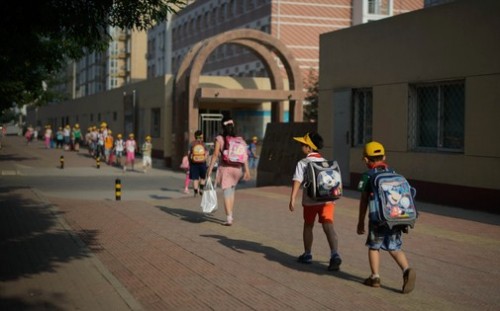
(9, 172)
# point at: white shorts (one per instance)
(146, 160)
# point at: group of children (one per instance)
(67, 137)
(378, 237)
(101, 144)
(118, 151)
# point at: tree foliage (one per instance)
(40, 36)
(312, 86)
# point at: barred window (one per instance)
(155, 122)
(437, 116)
(362, 105)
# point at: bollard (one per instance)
(61, 160)
(98, 162)
(118, 189)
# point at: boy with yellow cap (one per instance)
(147, 149)
(380, 237)
(310, 145)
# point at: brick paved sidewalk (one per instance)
(169, 256)
(44, 266)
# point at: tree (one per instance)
(312, 85)
(39, 37)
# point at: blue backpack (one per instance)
(392, 200)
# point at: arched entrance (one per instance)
(188, 94)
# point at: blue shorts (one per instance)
(197, 171)
(381, 237)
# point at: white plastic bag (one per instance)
(209, 198)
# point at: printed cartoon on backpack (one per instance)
(324, 182)
(198, 153)
(235, 150)
(392, 203)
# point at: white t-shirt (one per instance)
(119, 145)
(299, 175)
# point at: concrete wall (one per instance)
(455, 41)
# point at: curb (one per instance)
(108, 276)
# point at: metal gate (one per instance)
(211, 126)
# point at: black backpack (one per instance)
(323, 181)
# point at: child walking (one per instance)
(228, 174)
(185, 166)
(380, 237)
(130, 148)
(147, 149)
(310, 145)
(118, 149)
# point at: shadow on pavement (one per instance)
(16, 158)
(273, 254)
(31, 243)
(18, 303)
(189, 216)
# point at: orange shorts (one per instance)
(325, 213)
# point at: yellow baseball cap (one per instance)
(306, 140)
(373, 149)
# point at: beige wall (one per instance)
(456, 41)
(150, 94)
(482, 120)
(154, 93)
(138, 61)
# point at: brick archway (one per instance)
(266, 48)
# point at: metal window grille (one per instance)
(437, 116)
(362, 105)
(155, 122)
(210, 125)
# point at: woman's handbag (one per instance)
(209, 198)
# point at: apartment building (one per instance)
(124, 62)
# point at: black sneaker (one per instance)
(409, 277)
(373, 282)
(335, 263)
(305, 258)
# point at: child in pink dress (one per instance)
(228, 174)
(130, 149)
(185, 166)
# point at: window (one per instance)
(362, 105)
(155, 122)
(379, 7)
(437, 116)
